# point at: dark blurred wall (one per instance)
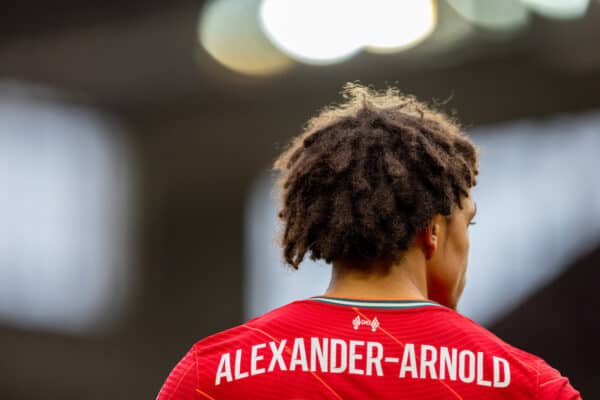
(560, 322)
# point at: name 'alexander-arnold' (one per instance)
(359, 357)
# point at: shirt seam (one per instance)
(428, 307)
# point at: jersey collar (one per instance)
(375, 303)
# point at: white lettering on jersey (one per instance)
(428, 361)
(338, 345)
(360, 357)
(238, 374)
(374, 356)
(506, 368)
(255, 358)
(224, 369)
(480, 378)
(354, 356)
(448, 363)
(318, 352)
(298, 355)
(409, 361)
(466, 368)
(277, 358)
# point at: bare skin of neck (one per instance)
(403, 280)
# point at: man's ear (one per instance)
(428, 238)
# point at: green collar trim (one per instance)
(387, 304)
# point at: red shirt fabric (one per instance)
(334, 348)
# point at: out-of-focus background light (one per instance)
(313, 31)
(229, 32)
(262, 37)
(391, 26)
(324, 32)
(66, 181)
(560, 9)
(493, 14)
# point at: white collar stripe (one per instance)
(376, 303)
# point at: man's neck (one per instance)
(405, 280)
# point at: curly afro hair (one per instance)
(366, 175)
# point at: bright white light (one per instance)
(561, 9)
(392, 25)
(325, 32)
(312, 31)
(230, 32)
(493, 14)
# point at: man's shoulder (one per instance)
(473, 331)
(248, 331)
(529, 363)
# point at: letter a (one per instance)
(409, 361)
(298, 355)
(224, 369)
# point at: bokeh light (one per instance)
(559, 9)
(505, 15)
(230, 32)
(312, 31)
(390, 26)
(318, 32)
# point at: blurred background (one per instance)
(137, 212)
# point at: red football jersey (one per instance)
(333, 348)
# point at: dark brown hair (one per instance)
(367, 174)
